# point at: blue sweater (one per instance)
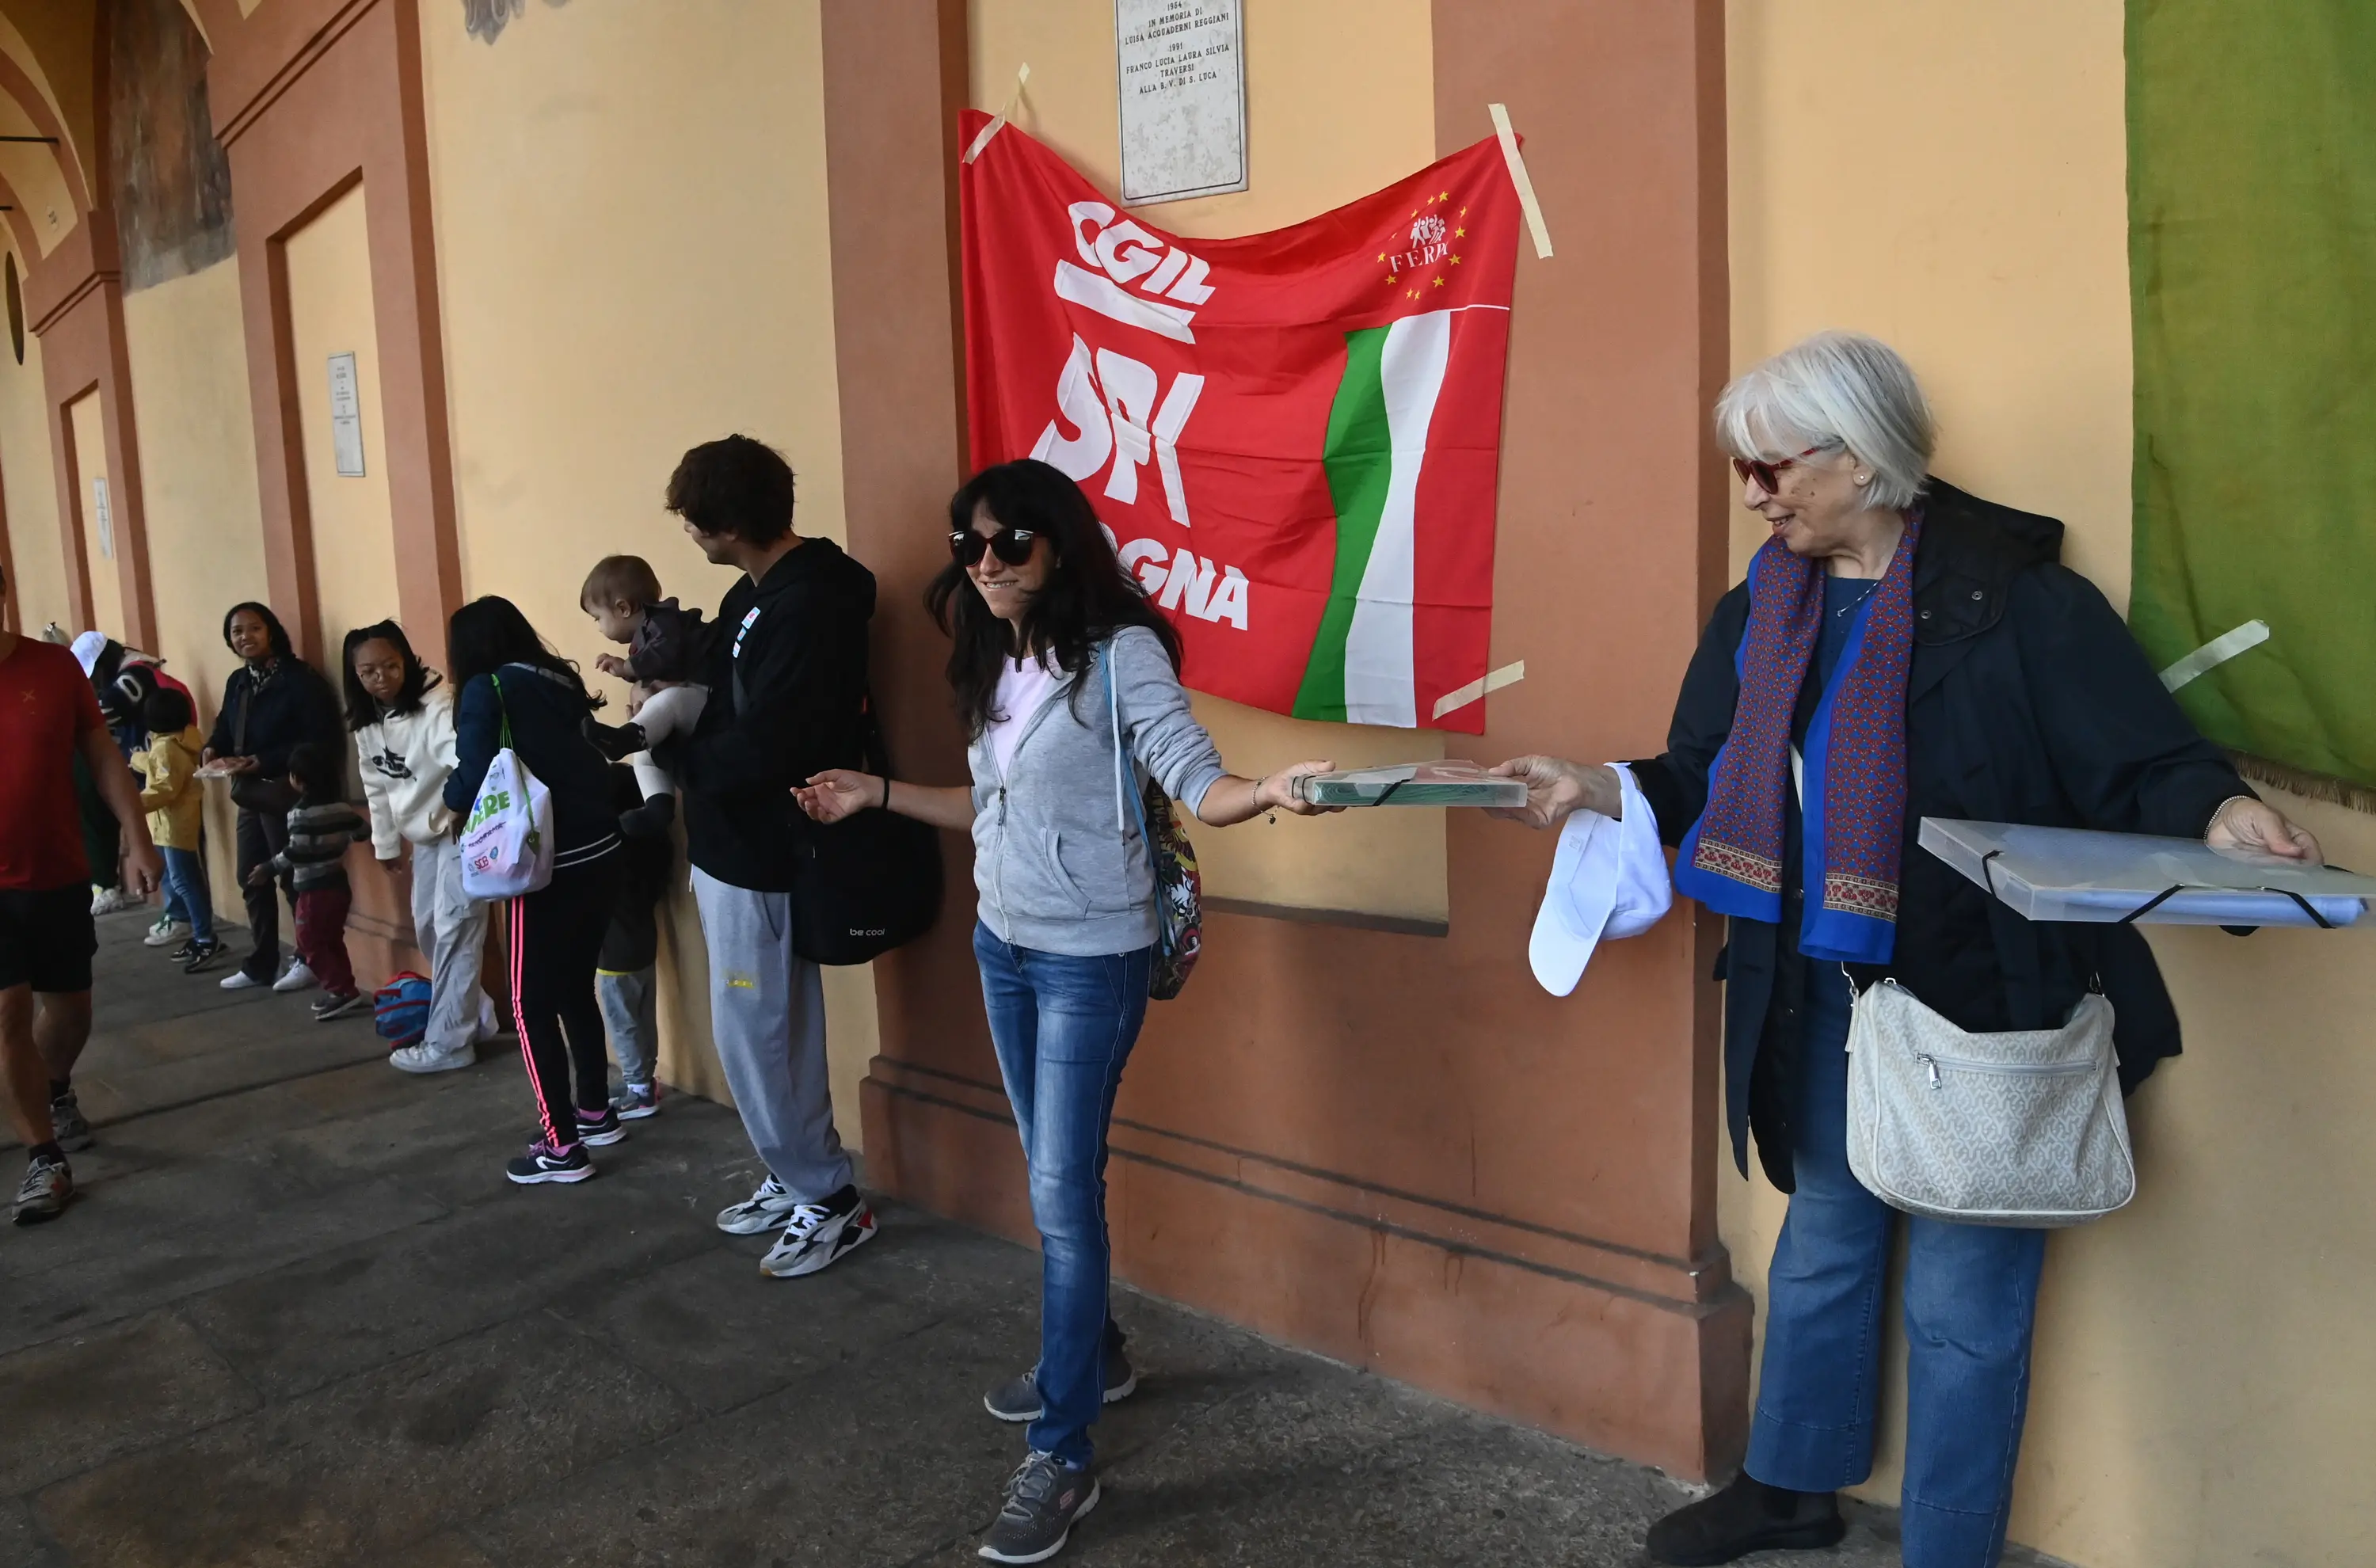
(545, 714)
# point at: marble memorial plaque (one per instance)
(1181, 65)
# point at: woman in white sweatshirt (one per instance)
(403, 721)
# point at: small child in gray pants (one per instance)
(622, 972)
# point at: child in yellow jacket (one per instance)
(176, 804)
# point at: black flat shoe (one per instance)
(616, 742)
(1746, 1517)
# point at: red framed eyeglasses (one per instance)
(1767, 476)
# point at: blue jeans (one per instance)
(186, 897)
(1971, 1298)
(1064, 1026)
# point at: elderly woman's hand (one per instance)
(2257, 827)
(1556, 786)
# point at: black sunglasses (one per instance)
(1011, 545)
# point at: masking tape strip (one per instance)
(1527, 203)
(1509, 674)
(2216, 652)
(991, 129)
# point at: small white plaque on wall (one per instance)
(1182, 70)
(102, 516)
(346, 417)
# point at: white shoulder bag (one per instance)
(507, 843)
(2021, 1128)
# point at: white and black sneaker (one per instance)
(763, 1210)
(1017, 1399)
(601, 1128)
(542, 1163)
(43, 1195)
(1045, 1498)
(819, 1234)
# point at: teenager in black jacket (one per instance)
(1924, 654)
(508, 679)
(787, 688)
(272, 704)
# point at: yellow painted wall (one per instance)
(353, 525)
(87, 420)
(28, 473)
(1952, 178)
(633, 258)
(1317, 73)
(199, 486)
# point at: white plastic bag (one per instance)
(507, 844)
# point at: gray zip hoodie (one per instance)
(1058, 860)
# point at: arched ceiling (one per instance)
(48, 53)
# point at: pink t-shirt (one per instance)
(1023, 685)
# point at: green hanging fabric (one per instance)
(2253, 278)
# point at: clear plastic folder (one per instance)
(1412, 784)
(2068, 874)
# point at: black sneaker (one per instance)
(195, 955)
(1746, 1517)
(543, 1162)
(68, 1126)
(42, 1195)
(600, 1128)
(635, 1101)
(1044, 1499)
(616, 742)
(328, 1007)
(1017, 1399)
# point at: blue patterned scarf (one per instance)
(1854, 790)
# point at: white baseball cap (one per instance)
(87, 648)
(1609, 879)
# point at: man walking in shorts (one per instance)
(48, 717)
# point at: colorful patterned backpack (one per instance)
(400, 1009)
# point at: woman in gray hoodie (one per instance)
(1068, 683)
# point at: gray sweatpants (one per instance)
(767, 1013)
(450, 928)
(628, 1013)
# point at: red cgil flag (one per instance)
(1293, 438)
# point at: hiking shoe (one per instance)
(335, 1006)
(1746, 1517)
(69, 1129)
(296, 977)
(164, 929)
(600, 1128)
(240, 980)
(42, 1195)
(1044, 1499)
(819, 1235)
(763, 1210)
(426, 1059)
(543, 1162)
(1017, 1399)
(635, 1101)
(195, 955)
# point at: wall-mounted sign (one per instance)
(101, 517)
(1183, 97)
(346, 417)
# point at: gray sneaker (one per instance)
(765, 1210)
(42, 1195)
(67, 1123)
(1017, 1399)
(1043, 1501)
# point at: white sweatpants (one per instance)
(450, 928)
(671, 711)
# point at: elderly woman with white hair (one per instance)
(1900, 649)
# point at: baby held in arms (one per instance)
(668, 651)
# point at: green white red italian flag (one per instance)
(1293, 438)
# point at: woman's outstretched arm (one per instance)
(838, 792)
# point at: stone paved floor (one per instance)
(297, 1317)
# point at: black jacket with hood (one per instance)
(2026, 701)
(786, 680)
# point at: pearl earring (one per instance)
(1864, 479)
